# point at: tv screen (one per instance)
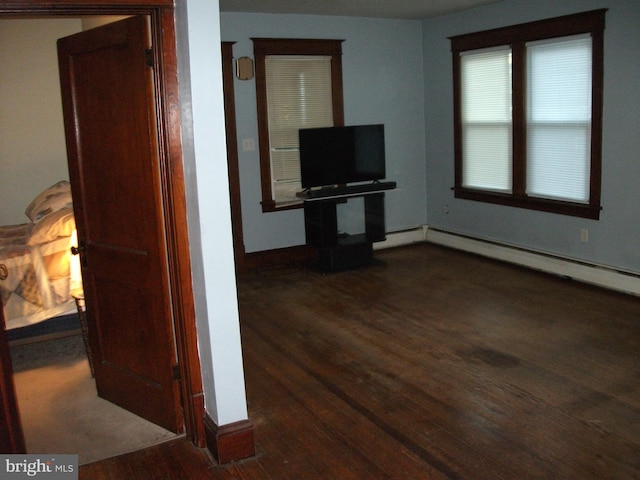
(341, 155)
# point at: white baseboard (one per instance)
(626, 282)
(405, 237)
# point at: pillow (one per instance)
(51, 200)
(57, 224)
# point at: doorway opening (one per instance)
(60, 409)
(172, 189)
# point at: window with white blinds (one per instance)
(299, 96)
(528, 114)
(298, 85)
(559, 118)
(486, 119)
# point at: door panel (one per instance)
(110, 123)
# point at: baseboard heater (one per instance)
(602, 276)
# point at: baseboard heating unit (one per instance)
(603, 276)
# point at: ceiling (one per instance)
(403, 9)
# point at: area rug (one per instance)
(61, 411)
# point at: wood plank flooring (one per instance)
(435, 365)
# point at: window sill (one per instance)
(531, 203)
(271, 206)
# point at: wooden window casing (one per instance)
(516, 37)
(264, 47)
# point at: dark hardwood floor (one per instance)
(435, 365)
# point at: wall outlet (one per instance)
(445, 209)
(584, 235)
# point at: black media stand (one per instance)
(342, 252)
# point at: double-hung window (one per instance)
(528, 114)
(298, 85)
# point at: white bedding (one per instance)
(34, 282)
(35, 260)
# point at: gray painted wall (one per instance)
(614, 240)
(399, 73)
(383, 83)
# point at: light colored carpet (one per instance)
(61, 411)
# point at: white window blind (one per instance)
(486, 119)
(559, 118)
(298, 96)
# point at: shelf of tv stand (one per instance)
(351, 239)
(326, 193)
(339, 251)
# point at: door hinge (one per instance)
(177, 375)
(149, 57)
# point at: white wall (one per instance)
(614, 240)
(382, 78)
(33, 154)
(209, 211)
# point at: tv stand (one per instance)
(343, 252)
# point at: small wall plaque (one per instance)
(244, 68)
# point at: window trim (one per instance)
(516, 36)
(287, 46)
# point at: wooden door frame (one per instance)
(247, 261)
(232, 155)
(12, 438)
(161, 13)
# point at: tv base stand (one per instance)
(344, 252)
(354, 251)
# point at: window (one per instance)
(298, 85)
(528, 114)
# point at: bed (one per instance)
(35, 260)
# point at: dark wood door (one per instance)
(108, 94)
(11, 436)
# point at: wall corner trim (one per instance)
(231, 442)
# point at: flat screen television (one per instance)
(341, 155)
